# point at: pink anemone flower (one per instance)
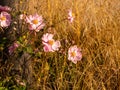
(35, 22)
(74, 54)
(50, 45)
(5, 19)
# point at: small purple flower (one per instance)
(12, 48)
(5, 8)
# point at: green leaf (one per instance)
(20, 39)
(3, 88)
(22, 88)
(29, 50)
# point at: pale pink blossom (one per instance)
(74, 54)
(50, 45)
(46, 37)
(70, 16)
(13, 47)
(5, 8)
(35, 22)
(5, 19)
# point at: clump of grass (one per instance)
(96, 29)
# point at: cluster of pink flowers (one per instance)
(35, 22)
(50, 45)
(13, 47)
(5, 17)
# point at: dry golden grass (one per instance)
(96, 29)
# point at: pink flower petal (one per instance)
(5, 8)
(56, 45)
(46, 37)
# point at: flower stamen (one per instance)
(73, 54)
(3, 18)
(35, 21)
(50, 42)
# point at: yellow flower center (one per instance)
(35, 21)
(3, 18)
(73, 15)
(73, 54)
(50, 42)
